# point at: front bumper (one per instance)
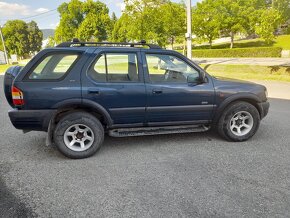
(264, 108)
(31, 119)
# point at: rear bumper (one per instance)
(31, 119)
(264, 108)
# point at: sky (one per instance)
(44, 11)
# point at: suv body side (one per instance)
(128, 104)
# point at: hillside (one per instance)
(47, 33)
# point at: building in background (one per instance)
(2, 58)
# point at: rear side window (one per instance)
(115, 67)
(53, 67)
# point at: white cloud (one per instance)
(41, 10)
(11, 9)
(121, 5)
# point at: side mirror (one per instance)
(192, 79)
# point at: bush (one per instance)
(238, 52)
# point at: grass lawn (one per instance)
(249, 72)
(282, 41)
(3, 68)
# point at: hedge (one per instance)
(237, 52)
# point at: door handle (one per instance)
(157, 91)
(94, 91)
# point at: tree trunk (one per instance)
(232, 39)
(210, 43)
(172, 42)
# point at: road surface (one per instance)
(185, 175)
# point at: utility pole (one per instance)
(188, 35)
(3, 43)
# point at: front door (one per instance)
(115, 81)
(172, 99)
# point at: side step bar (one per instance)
(125, 132)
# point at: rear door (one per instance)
(115, 81)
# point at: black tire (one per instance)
(225, 121)
(83, 119)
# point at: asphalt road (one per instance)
(187, 175)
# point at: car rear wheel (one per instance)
(79, 135)
(239, 122)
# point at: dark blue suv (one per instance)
(78, 91)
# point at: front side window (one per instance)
(168, 68)
(115, 67)
(53, 67)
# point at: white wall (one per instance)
(2, 58)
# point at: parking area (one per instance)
(185, 175)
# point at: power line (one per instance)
(33, 16)
(40, 17)
(36, 15)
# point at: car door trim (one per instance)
(127, 110)
(184, 108)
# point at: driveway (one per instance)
(246, 61)
(186, 175)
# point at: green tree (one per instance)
(145, 20)
(233, 17)
(205, 22)
(94, 28)
(16, 37)
(269, 20)
(22, 38)
(121, 29)
(35, 37)
(51, 42)
(156, 21)
(71, 17)
(282, 6)
(173, 17)
(88, 20)
(114, 18)
(1, 46)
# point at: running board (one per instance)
(125, 132)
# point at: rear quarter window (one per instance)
(52, 67)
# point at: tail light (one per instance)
(17, 96)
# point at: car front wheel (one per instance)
(239, 122)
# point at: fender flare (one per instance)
(84, 103)
(248, 97)
(72, 103)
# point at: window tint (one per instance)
(53, 66)
(120, 68)
(167, 68)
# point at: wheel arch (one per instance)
(71, 106)
(91, 107)
(249, 98)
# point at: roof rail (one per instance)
(76, 42)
